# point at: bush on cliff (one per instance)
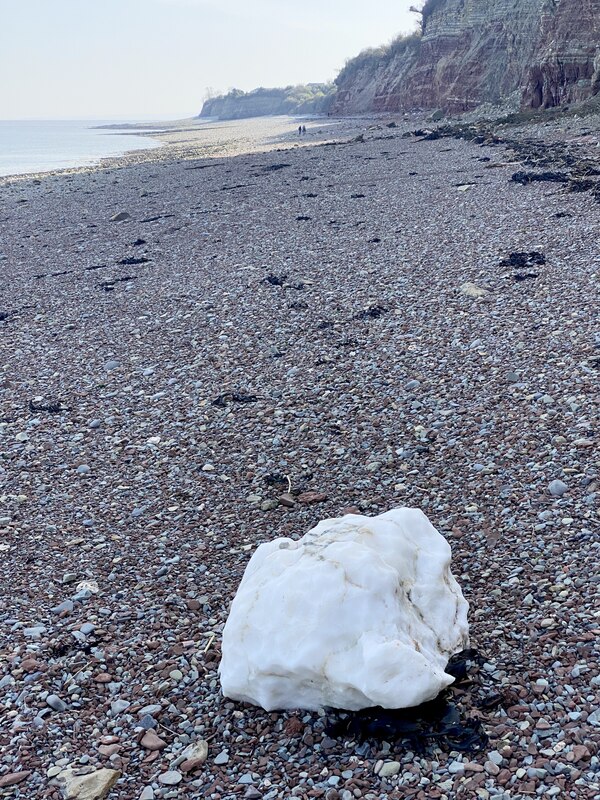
(429, 8)
(374, 57)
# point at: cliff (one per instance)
(313, 98)
(540, 52)
(566, 63)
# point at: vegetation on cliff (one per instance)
(428, 9)
(311, 98)
(375, 56)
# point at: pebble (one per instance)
(389, 769)
(194, 755)
(170, 778)
(35, 632)
(87, 628)
(55, 703)
(153, 709)
(150, 741)
(52, 772)
(13, 778)
(557, 488)
(66, 606)
(118, 707)
(222, 758)
(310, 498)
(269, 505)
(473, 291)
(93, 785)
(594, 717)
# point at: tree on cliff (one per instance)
(419, 11)
(425, 11)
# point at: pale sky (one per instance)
(144, 59)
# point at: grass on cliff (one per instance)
(375, 57)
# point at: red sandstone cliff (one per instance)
(566, 62)
(538, 52)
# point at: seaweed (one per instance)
(524, 178)
(233, 397)
(437, 722)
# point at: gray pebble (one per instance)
(389, 769)
(79, 597)
(118, 706)
(152, 709)
(35, 632)
(55, 703)
(594, 717)
(87, 628)
(170, 778)
(557, 488)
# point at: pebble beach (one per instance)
(227, 339)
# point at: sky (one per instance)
(151, 59)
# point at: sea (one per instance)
(43, 146)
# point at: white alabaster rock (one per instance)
(360, 612)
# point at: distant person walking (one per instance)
(299, 130)
(304, 129)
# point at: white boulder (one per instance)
(360, 612)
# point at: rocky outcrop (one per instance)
(539, 52)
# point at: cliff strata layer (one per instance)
(546, 52)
